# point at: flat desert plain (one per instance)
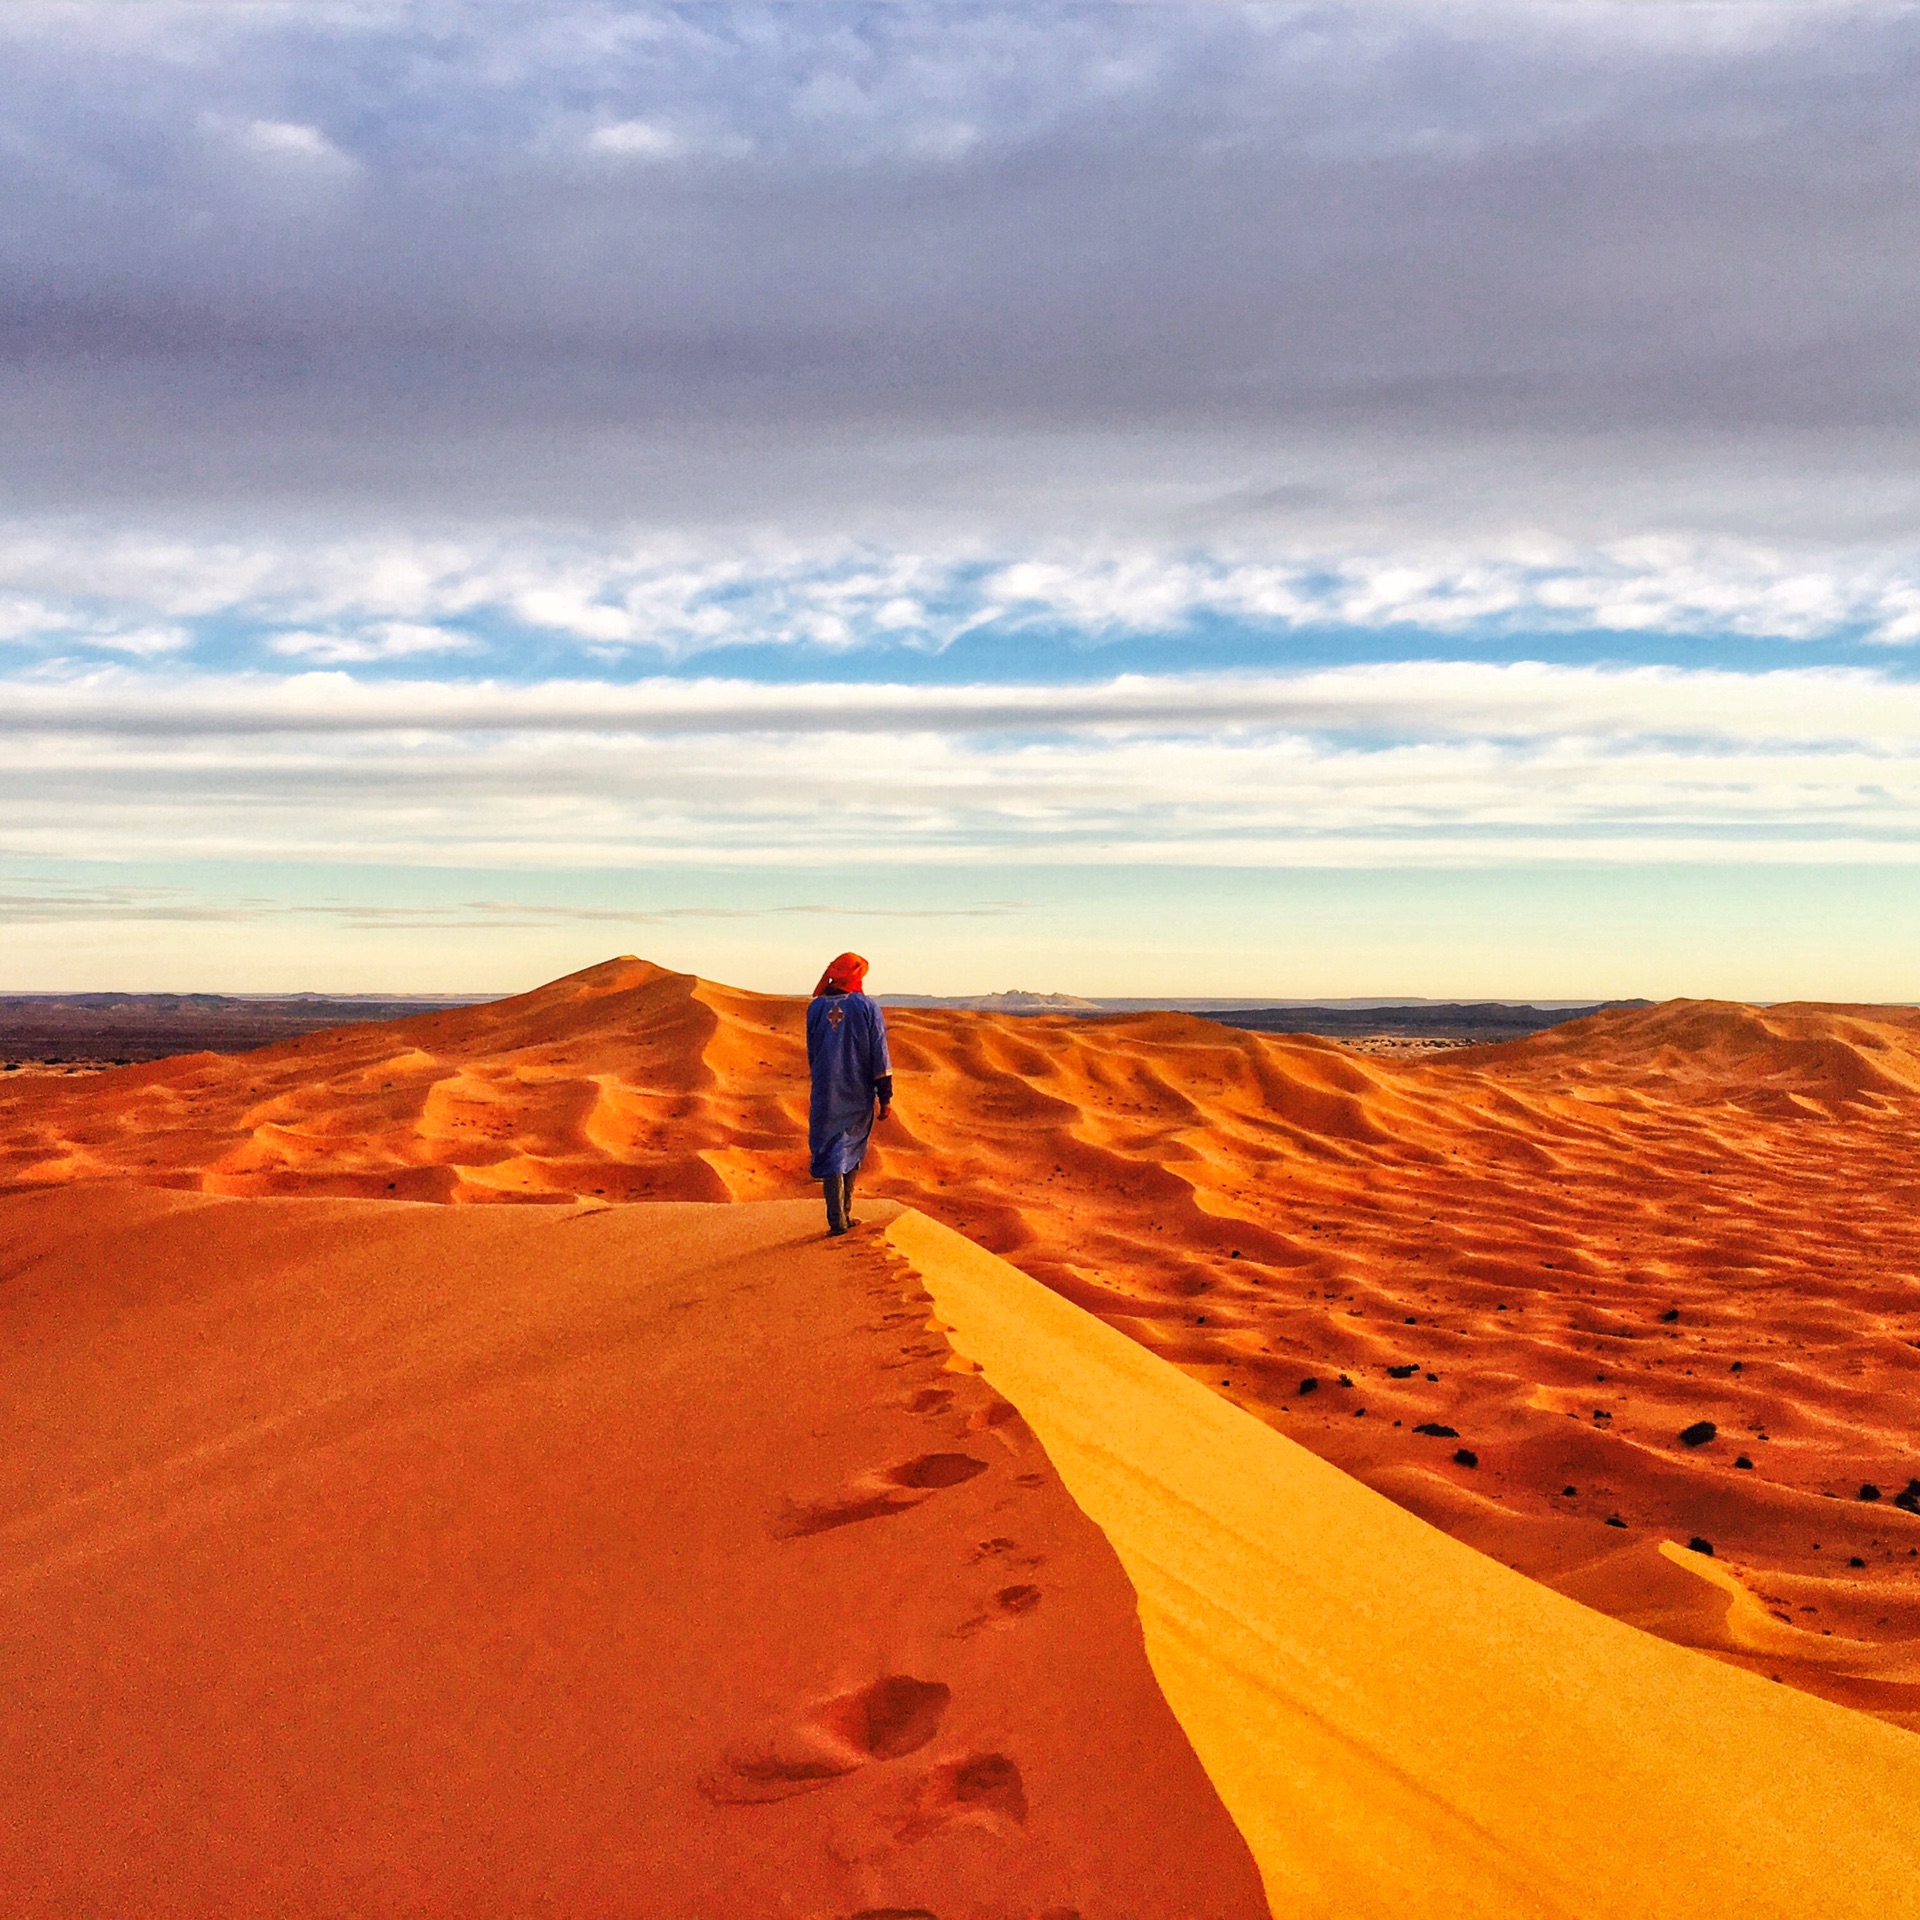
(363, 1555)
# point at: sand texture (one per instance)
(1558, 1255)
(670, 1560)
(379, 1560)
(1399, 1724)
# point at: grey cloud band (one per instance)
(599, 258)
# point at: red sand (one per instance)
(1592, 1240)
(391, 1560)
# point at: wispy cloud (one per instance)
(391, 640)
(1418, 699)
(56, 903)
(1409, 762)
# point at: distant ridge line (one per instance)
(1467, 1021)
(1020, 1001)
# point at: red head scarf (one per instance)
(848, 974)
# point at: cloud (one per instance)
(396, 640)
(596, 339)
(1402, 764)
(26, 902)
(54, 903)
(1182, 272)
(375, 597)
(24, 619)
(289, 140)
(636, 140)
(1414, 699)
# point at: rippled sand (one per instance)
(1569, 1250)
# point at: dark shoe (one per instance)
(833, 1189)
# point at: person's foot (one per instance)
(834, 1233)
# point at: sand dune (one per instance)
(1401, 1725)
(1562, 1253)
(673, 1561)
(649, 1562)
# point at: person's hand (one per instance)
(884, 1111)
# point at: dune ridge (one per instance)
(1554, 1256)
(1397, 1723)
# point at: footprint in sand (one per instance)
(875, 1495)
(913, 1353)
(1001, 1418)
(983, 1790)
(1001, 1610)
(895, 1716)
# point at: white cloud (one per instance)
(396, 640)
(681, 593)
(1437, 700)
(289, 138)
(1406, 764)
(27, 620)
(636, 140)
(148, 642)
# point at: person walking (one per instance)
(852, 1073)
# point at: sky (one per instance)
(1203, 500)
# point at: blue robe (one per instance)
(847, 1050)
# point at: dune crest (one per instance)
(1398, 1724)
(1514, 1276)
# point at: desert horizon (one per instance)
(1562, 1312)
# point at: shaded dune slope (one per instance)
(657, 1562)
(1563, 1252)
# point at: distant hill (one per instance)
(1014, 1000)
(1473, 1021)
(151, 1026)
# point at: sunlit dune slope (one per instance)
(375, 1560)
(1563, 1253)
(1401, 1725)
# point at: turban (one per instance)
(848, 974)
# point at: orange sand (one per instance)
(671, 1561)
(1400, 1725)
(395, 1560)
(1515, 1222)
